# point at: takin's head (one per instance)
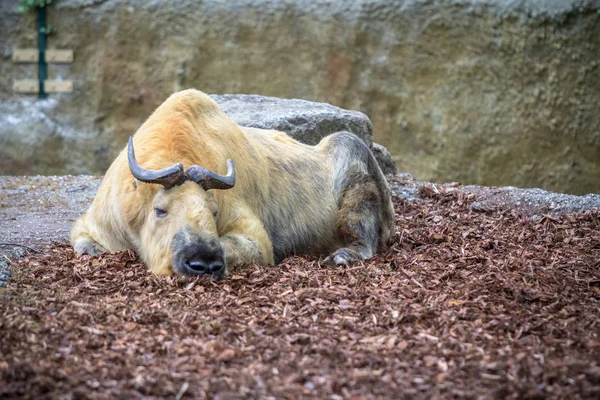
(181, 230)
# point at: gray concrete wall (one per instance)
(480, 91)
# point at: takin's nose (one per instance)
(196, 255)
(201, 267)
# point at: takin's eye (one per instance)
(160, 213)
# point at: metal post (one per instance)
(42, 66)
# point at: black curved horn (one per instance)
(211, 180)
(168, 177)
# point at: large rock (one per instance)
(496, 92)
(306, 121)
(303, 120)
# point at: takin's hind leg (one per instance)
(359, 221)
(365, 210)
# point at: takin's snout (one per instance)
(196, 255)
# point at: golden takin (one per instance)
(194, 193)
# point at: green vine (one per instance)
(29, 4)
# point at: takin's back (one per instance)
(295, 202)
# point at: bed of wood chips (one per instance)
(466, 304)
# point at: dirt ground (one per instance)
(35, 210)
(469, 302)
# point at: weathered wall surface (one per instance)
(490, 92)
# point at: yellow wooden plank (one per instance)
(25, 55)
(58, 86)
(59, 56)
(26, 86)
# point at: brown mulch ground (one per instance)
(465, 304)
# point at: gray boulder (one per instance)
(305, 121)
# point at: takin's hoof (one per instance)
(90, 248)
(343, 256)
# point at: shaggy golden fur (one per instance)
(288, 197)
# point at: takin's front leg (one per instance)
(83, 239)
(245, 242)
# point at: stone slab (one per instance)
(305, 121)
